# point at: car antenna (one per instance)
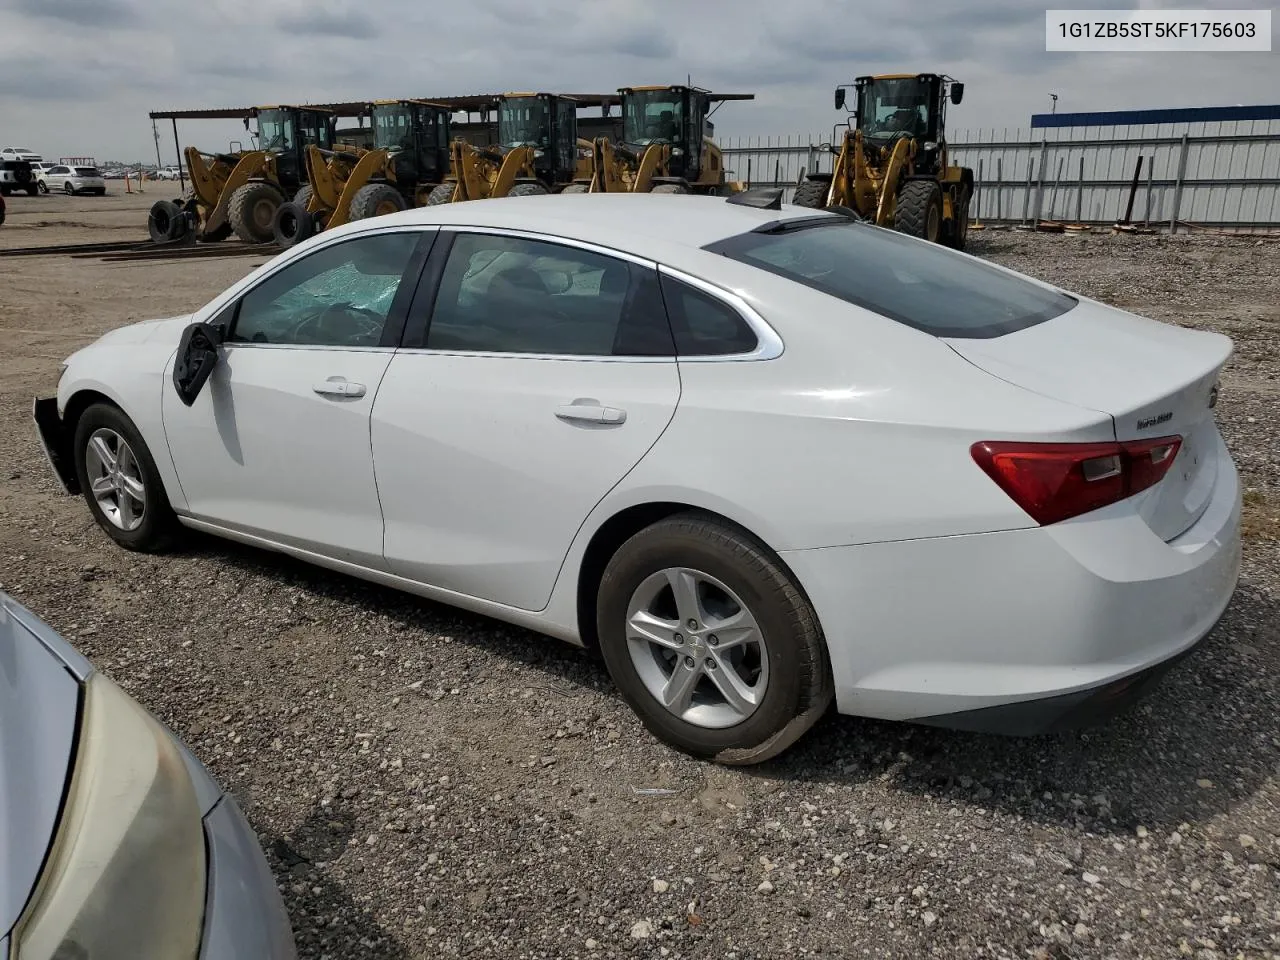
(764, 198)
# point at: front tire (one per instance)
(711, 642)
(376, 200)
(958, 229)
(527, 190)
(252, 209)
(669, 188)
(120, 482)
(812, 194)
(919, 210)
(441, 193)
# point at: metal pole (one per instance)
(1080, 193)
(177, 150)
(1044, 149)
(1151, 173)
(999, 184)
(155, 135)
(1177, 188)
(1053, 194)
(1133, 191)
(1026, 195)
(748, 173)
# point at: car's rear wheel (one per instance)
(711, 641)
(120, 482)
(68, 189)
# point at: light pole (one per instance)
(1054, 107)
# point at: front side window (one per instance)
(502, 294)
(338, 296)
(919, 284)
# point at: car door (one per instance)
(545, 372)
(276, 442)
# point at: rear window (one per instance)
(87, 172)
(921, 285)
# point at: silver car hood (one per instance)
(40, 677)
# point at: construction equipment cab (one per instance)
(666, 144)
(536, 153)
(408, 160)
(892, 166)
(241, 191)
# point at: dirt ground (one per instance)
(429, 783)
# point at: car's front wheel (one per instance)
(711, 641)
(120, 482)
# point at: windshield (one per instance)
(652, 116)
(889, 108)
(275, 130)
(392, 128)
(524, 122)
(920, 284)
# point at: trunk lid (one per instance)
(1153, 379)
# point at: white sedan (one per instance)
(763, 457)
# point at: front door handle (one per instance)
(339, 387)
(585, 410)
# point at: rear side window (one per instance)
(922, 285)
(703, 325)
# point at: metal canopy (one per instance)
(356, 108)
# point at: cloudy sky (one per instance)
(77, 77)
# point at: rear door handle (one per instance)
(339, 387)
(590, 411)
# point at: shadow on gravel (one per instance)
(1214, 718)
(327, 921)
(1204, 739)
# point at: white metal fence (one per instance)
(1210, 174)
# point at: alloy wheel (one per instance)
(115, 479)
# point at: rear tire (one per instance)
(33, 190)
(958, 229)
(919, 210)
(156, 528)
(786, 671)
(442, 193)
(669, 188)
(252, 210)
(165, 222)
(292, 225)
(376, 200)
(812, 193)
(69, 190)
(527, 190)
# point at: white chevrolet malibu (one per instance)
(763, 458)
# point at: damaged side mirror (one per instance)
(197, 356)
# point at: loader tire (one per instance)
(293, 223)
(812, 193)
(576, 188)
(252, 209)
(919, 210)
(669, 188)
(376, 200)
(958, 229)
(303, 196)
(527, 190)
(443, 193)
(165, 221)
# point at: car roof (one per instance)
(644, 224)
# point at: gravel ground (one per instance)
(432, 784)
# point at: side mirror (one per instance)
(840, 94)
(957, 92)
(197, 356)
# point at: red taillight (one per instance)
(1056, 481)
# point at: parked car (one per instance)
(17, 175)
(20, 153)
(117, 842)
(761, 456)
(73, 180)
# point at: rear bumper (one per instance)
(55, 442)
(1060, 622)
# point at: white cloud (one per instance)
(79, 79)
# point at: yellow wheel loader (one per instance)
(665, 147)
(410, 157)
(240, 192)
(892, 167)
(538, 151)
